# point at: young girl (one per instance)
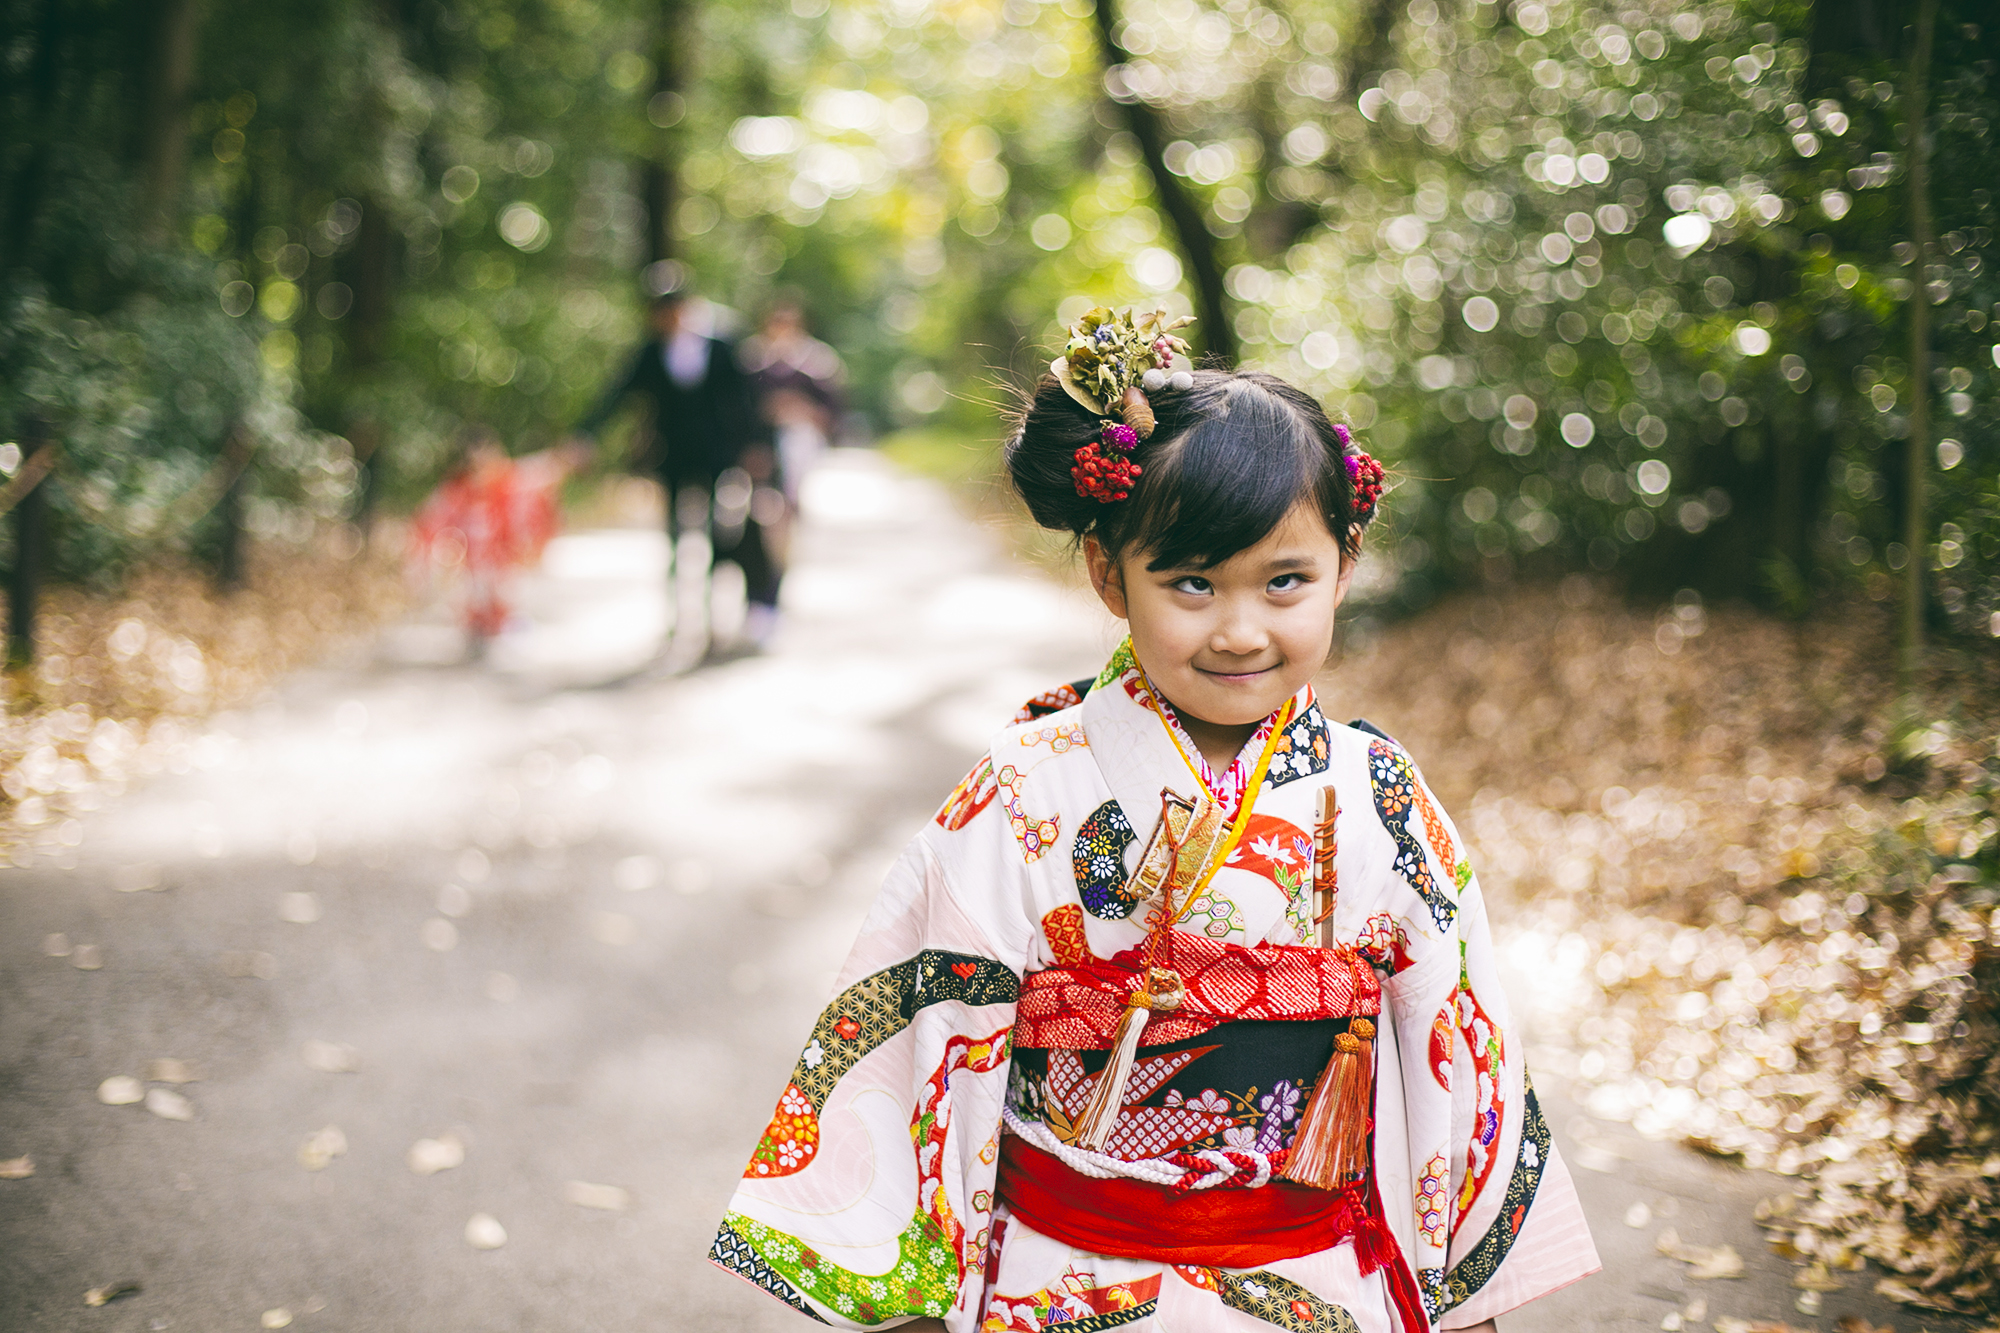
(1182, 1013)
(490, 517)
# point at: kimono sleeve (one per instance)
(1517, 1230)
(867, 1200)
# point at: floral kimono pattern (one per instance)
(871, 1198)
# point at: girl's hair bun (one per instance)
(1231, 454)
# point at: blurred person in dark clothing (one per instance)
(702, 423)
(799, 383)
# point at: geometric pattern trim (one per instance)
(1395, 784)
(1305, 748)
(1110, 1318)
(1052, 701)
(877, 1007)
(1484, 1259)
(1098, 860)
(1276, 1300)
(732, 1252)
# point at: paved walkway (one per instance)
(557, 929)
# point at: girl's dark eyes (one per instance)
(1191, 583)
(1287, 582)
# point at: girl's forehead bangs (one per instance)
(1226, 484)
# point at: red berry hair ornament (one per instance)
(1104, 469)
(1364, 474)
(1113, 361)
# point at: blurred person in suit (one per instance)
(701, 429)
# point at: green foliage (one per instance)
(1613, 286)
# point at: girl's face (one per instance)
(1227, 645)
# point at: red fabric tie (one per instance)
(1220, 1228)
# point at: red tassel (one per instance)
(1331, 1147)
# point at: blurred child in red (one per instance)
(489, 517)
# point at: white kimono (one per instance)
(872, 1197)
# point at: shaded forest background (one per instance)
(1657, 289)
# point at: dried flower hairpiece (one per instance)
(1115, 359)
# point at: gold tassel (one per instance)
(1331, 1146)
(1162, 992)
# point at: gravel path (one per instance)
(567, 923)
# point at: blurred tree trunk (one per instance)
(372, 263)
(166, 77)
(1214, 332)
(24, 580)
(229, 563)
(1916, 454)
(660, 172)
(24, 192)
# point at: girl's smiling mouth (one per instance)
(1238, 677)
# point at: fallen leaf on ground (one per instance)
(121, 1090)
(1730, 1324)
(484, 1232)
(1705, 1262)
(614, 928)
(321, 1148)
(1638, 1215)
(17, 1168)
(1776, 1206)
(135, 879)
(56, 946)
(427, 1157)
(254, 964)
(331, 1057)
(1808, 1302)
(168, 1104)
(1673, 1322)
(172, 1071)
(1903, 1293)
(1854, 1323)
(278, 1318)
(301, 909)
(1816, 1276)
(586, 1195)
(109, 1292)
(87, 958)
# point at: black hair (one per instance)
(1228, 459)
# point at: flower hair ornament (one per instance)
(1114, 360)
(1363, 473)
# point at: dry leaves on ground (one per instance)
(121, 682)
(1764, 913)
(1704, 1261)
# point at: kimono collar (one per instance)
(1142, 749)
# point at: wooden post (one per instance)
(1916, 456)
(24, 580)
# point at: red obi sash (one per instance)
(1220, 1228)
(1079, 1007)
